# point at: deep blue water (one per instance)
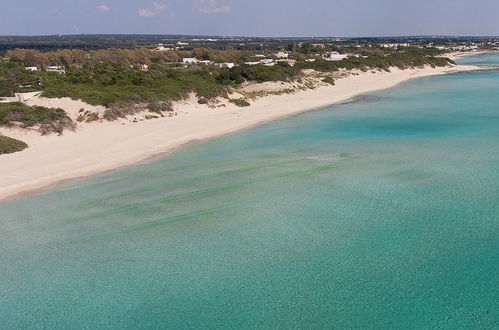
(380, 213)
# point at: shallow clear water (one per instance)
(379, 213)
(480, 59)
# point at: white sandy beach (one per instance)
(103, 146)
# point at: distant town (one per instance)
(254, 51)
(182, 42)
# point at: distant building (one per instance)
(57, 69)
(162, 48)
(466, 48)
(207, 62)
(395, 45)
(267, 61)
(290, 61)
(281, 55)
(252, 63)
(31, 68)
(190, 60)
(225, 65)
(334, 56)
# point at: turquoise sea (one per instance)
(380, 213)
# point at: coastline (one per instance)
(457, 55)
(102, 147)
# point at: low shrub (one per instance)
(240, 102)
(9, 145)
(329, 80)
(48, 120)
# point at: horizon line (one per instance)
(250, 37)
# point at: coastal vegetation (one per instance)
(240, 102)
(112, 83)
(329, 80)
(9, 145)
(127, 81)
(45, 120)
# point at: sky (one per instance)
(272, 18)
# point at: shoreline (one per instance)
(457, 55)
(51, 161)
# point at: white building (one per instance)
(252, 63)
(190, 60)
(31, 68)
(162, 48)
(290, 61)
(465, 48)
(57, 69)
(267, 61)
(442, 47)
(225, 65)
(396, 45)
(281, 55)
(334, 56)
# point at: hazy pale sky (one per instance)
(251, 18)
